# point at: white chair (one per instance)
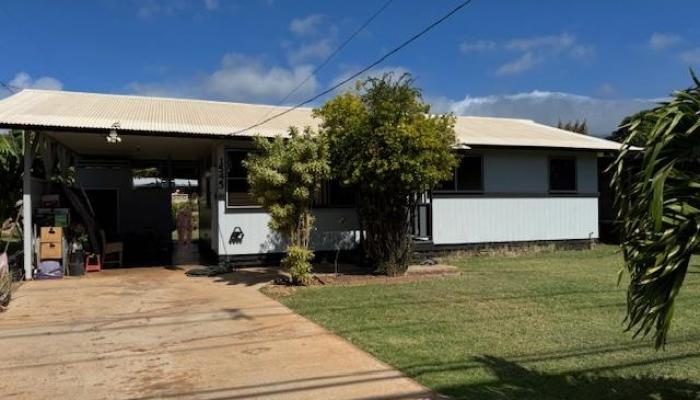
(110, 248)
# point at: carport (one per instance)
(96, 150)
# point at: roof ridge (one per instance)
(176, 99)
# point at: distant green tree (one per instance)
(659, 206)
(385, 144)
(284, 176)
(577, 127)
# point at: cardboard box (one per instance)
(51, 234)
(50, 250)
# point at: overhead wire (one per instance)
(361, 71)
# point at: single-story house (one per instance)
(519, 181)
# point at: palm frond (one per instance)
(659, 206)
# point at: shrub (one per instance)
(298, 263)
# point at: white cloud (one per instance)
(211, 4)
(606, 89)
(583, 52)
(306, 26)
(24, 81)
(691, 57)
(310, 51)
(533, 51)
(525, 62)
(602, 116)
(661, 41)
(555, 42)
(148, 9)
(239, 78)
(477, 46)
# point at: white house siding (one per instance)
(515, 205)
(334, 227)
(483, 220)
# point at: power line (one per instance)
(336, 51)
(363, 70)
(10, 88)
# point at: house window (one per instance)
(333, 194)
(562, 174)
(237, 188)
(467, 177)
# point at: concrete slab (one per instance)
(153, 333)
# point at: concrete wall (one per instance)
(516, 205)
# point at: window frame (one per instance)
(454, 189)
(549, 175)
(252, 203)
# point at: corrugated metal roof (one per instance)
(46, 109)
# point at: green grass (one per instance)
(538, 326)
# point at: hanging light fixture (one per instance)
(113, 137)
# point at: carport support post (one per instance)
(27, 206)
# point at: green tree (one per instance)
(385, 143)
(659, 205)
(284, 176)
(11, 171)
(645, 121)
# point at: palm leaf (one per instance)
(658, 204)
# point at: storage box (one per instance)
(51, 234)
(50, 250)
(49, 270)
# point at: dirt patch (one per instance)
(358, 276)
(277, 291)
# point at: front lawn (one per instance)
(538, 326)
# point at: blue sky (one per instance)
(546, 60)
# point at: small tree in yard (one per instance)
(283, 177)
(385, 143)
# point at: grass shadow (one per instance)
(513, 381)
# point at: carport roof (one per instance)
(62, 110)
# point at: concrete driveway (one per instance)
(151, 333)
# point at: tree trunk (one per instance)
(388, 244)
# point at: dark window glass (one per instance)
(562, 174)
(234, 164)
(469, 174)
(333, 193)
(237, 180)
(340, 195)
(448, 184)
